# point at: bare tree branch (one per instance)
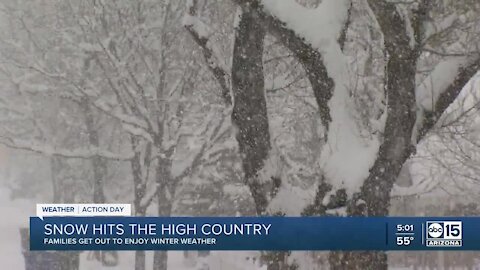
(343, 35)
(197, 29)
(447, 97)
(40, 148)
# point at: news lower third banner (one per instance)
(254, 233)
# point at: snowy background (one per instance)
(241, 108)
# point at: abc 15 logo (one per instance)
(448, 230)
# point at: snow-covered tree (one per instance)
(360, 158)
(329, 101)
(128, 65)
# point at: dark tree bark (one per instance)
(139, 188)
(166, 192)
(160, 260)
(139, 260)
(400, 89)
(396, 147)
(99, 167)
(401, 55)
(377, 187)
(250, 115)
(447, 97)
(56, 182)
(217, 71)
(309, 57)
(139, 185)
(250, 109)
(99, 164)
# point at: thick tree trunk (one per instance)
(56, 182)
(63, 183)
(99, 174)
(396, 147)
(139, 189)
(165, 197)
(381, 180)
(310, 58)
(62, 193)
(160, 260)
(250, 108)
(139, 185)
(250, 114)
(402, 54)
(139, 260)
(99, 164)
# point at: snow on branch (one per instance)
(434, 29)
(437, 81)
(200, 32)
(213, 132)
(322, 28)
(459, 74)
(395, 23)
(313, 36)
(132, 124)
(138, 125)
(319, 26)
(299, 35)
(150, 196)
(49, 150)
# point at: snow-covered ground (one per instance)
(14, 215)
(216, 261)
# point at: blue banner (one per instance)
(255, 233)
